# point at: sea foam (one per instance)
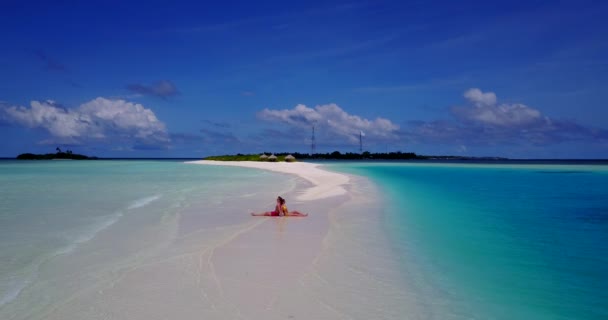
(143, 202)
(14, 287)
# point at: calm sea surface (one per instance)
(474, 241)
(49, 209)
(499, 241)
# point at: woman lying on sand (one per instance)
(280, 209)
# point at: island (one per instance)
(336, 155)
(59, 155)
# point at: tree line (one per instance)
(337, 155)
(64, 155)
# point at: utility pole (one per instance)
(312, 145)
(360, 141)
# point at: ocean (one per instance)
(498, 241)
(471, 241)
(65, 225)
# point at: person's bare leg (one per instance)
(298, 214)
(261, 214)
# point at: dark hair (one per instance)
(281, 200)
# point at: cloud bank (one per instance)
(101, 119)
(162, 89)
(482, 121)
(485, 121)
(333, 122)
(486, 111)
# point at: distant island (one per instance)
(336, 155)
(59, 155)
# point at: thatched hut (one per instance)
(272, 158)
(290, 158)
(263, 157)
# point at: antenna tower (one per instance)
(312, 145)
(360, 142)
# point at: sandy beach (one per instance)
(334, 264)
(142, 239)
(325, 184)
(184, 254)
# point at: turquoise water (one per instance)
(50, 209)
(473, 241)
(499, 241)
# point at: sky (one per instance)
(516, 79)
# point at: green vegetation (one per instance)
(67, 155)
(247, 157)
(336, 155)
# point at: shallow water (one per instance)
(54, 211)
(466, 241)
(498, 241)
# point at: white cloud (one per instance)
(100, 119)
(334, 120)
(487, 123)
(480, 99)
(299, 116)
(486, 111)
(58, 121)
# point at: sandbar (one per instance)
(210, 259)
(325, 183)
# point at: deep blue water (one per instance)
(499, 241)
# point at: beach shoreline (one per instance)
(325, 183)
(167, 239)
(351, 271)
(186, 247)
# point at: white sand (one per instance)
(333, 264)
(325, 183)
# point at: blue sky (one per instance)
(518, 79)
